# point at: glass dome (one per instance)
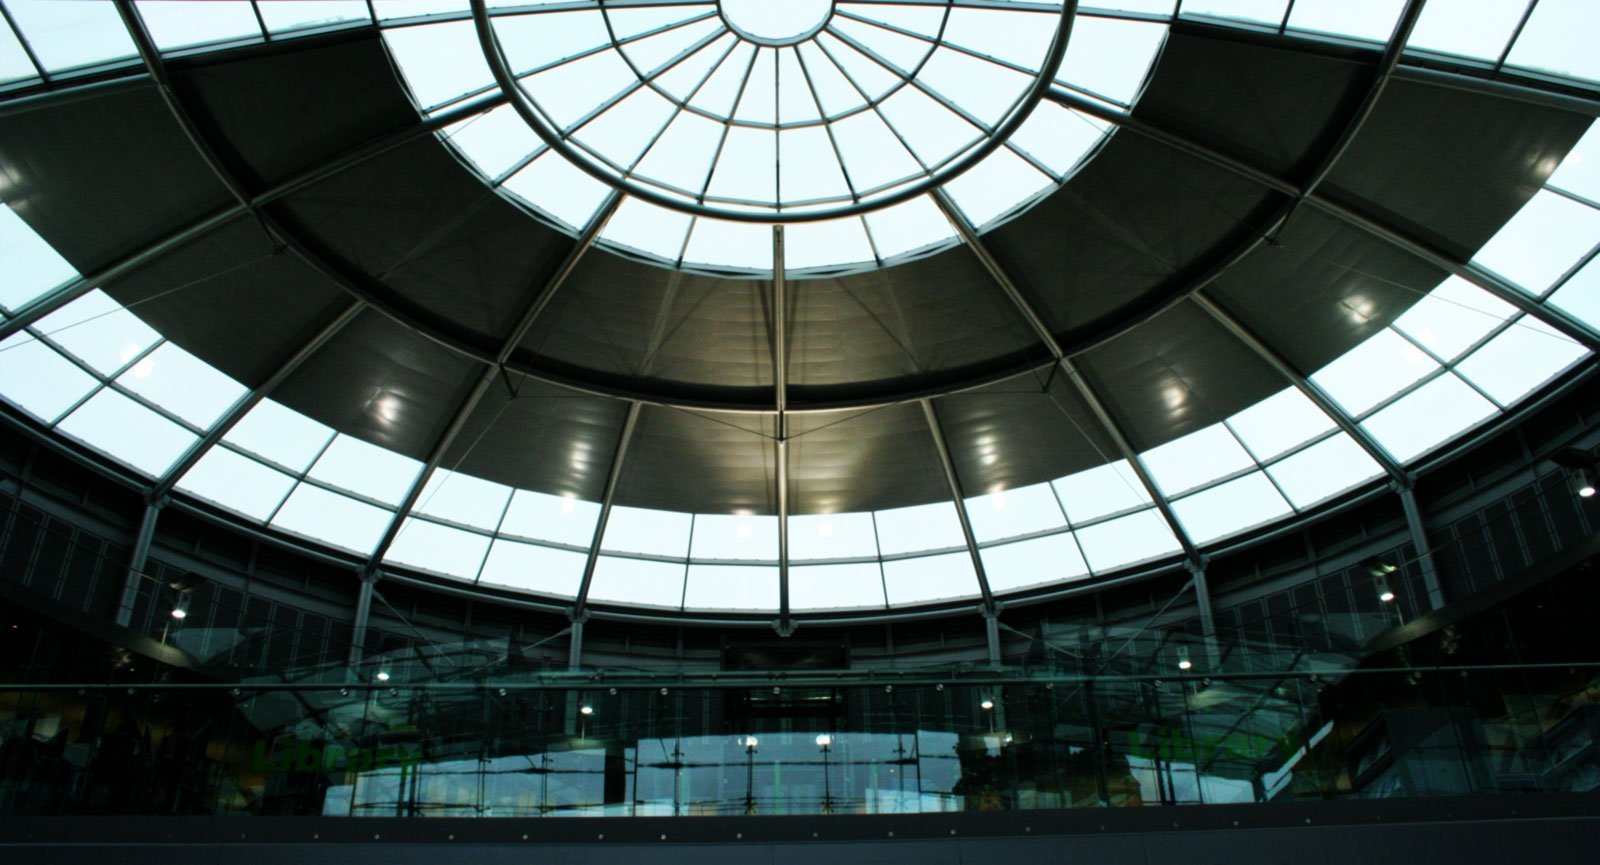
(675, 136)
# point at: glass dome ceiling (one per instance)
(95, 373)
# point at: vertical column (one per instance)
(137, 563)
(1202, 600)
(358, 629)
(1419, 540)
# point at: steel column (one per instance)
(358, 628)
(580, 604)
(989, 609)
(1419, 540)
(137, 563)
(780, 378)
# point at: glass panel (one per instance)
(32, 265)
(1473, 28)
(98, 330)
(1201, 456)
(560, 189)
(1555, 39)
(533, 568)
(1373, 371)
(1520, 359)
(1127, 539)
(730, 244)
(558, 519)
(743, 538)
(495, 141)
(648, 228)
(237, 483)
(180, 23)
(1239, 504)
(831, 536)
(930, 578)
(637, 582)
(834, 242)
(366, 469)
(1279, 423)
(464, 499)
(1323, 470)
(1363, 19)
(907, 227)
(827, 587)
(995, 186)
(1580, 170)
(14, 63)
(652, 532)
(1453, 317)
(35, 377)
(281, 17)
(1546, 237)
(128, 431)
(439, 61)
(327, 516)
(731, 587)
(182, 384)
(1049, 559)
(918, 528)
(440, 549)
(1110, 57)
(68, 35)
(1099, 491)
(1432, 414)
(1010, 513)
(1058, 137)
(280, 434)
(1580, 295)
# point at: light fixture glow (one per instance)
(986, 705)
(586, 709)
(383, 676)
(1386, 596)
(179, 613)
(825, 529)
(1583, 482)
(824, 740)
(1183, 658)
(750, 743)
(569, 503)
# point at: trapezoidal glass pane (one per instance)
(438, 549)
(533, 568)
(439, 61)
(1453, 317)
(1130, 539)
(636, 582)
(1546, 238)
(1279, 423)
(558, 519)
(647, 531)
(281, 435)
(731, 587)
(181, 24)
(1227, 509)
(1198, 458)
(237, 483)
(1373, 371)
(918, 528)
(832, 536)
(462, 498)
(182, 384)
(366, 469)
(1556, 40)
(735, 538)
(124, 429)
(1102, 490)
(1015, 512)
(70, 35)
(33, 267)
(36, 378)
(327, 516)
(835, 587)
(930, 578)
(99, 331)
(1324, 470)
(1521, 359)
(1430, 415)
(1371, 20)
(1471, 28)
(1037, 561)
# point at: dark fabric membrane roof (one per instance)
(447, 269)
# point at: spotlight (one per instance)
(1183, 658)
(750, 743)
(586, 709)
(383, 676)
(179, 613)
(1583, 482)
(986, 705)
(1385, 594)
(824, 740)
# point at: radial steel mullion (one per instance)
(441, 446)
(827, 126)
(22, 40)
(873, 106)
(1316, 394)
(580, 603)
(727, 126)
(912, 79)
(616, 43)
(923, 37)
(1516, 34)
(305, 177)
(1025, 308)
(641, 81)
(137, 563)
(780, 378)
(239, 409)
(678, 108)
(960, 500)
